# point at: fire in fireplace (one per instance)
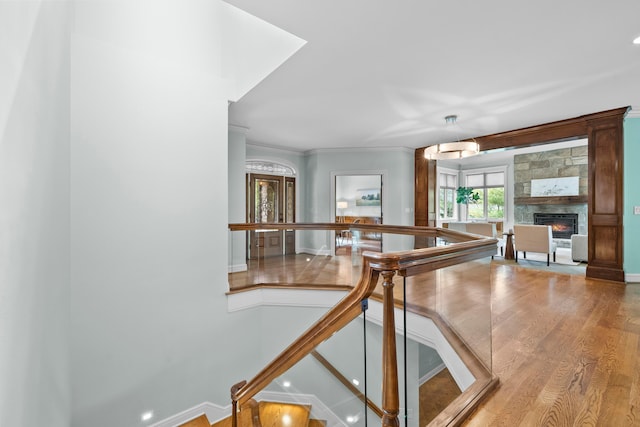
(562, 225)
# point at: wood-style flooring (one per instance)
(565, 348)
(435, 395)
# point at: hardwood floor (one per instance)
(566, 348)
(435, 395)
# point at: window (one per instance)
(447, 184)
(490, 186)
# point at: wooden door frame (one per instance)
(604, 132)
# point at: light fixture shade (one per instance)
(451, 150)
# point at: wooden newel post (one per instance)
(234, 402)
(390, 396)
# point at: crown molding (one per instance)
(275, 148)
(239, 129)
(360, 150)
(634, 112)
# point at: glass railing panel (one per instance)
(427, 386)
(464, 303)
(329, 384)
(447, 327)
(288, 257)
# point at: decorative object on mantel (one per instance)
(452, 150)
(466, 195)
(567, 186)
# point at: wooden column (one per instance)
(604, 131)
(425, 190)
(605, 204)
(390, 394)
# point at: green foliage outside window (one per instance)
(495, 203)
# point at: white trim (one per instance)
(359, 150)
(632, 278)
(506, 186)
(432, 373)
(447, 171)
(213, 412)
(319, 410)
(235, 268)
(276, 148)
(284, 297)
(239, 129)
(634, 113)
(278, 162)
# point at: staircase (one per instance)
(265, 414)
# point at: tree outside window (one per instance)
(490, 187)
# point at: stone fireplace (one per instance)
(566, 162)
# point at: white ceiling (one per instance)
(380, 73)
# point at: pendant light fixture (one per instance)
(452, 150)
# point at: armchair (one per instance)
(534, 238)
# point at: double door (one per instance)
(270, 200)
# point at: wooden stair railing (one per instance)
(335, 319)
(405, 263)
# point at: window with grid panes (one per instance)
(448, 182)
(490, 187)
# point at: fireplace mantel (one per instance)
(552, 200)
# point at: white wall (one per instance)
(34, 220)
(149, 213)
(237, 198)
(396, 166)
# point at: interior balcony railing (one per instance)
(417, 303)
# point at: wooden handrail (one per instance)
(405, 263)
(335, 319)
(345, 381)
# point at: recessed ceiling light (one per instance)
(636, 40)
(286, 384)
(355, 381)
(146, 416)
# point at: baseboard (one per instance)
(432, 373)
(632, 278)
(213, 412)
(237, 268)
(283, 297)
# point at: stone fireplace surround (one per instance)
(564, 162)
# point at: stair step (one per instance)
(274, 414)
(201, 421)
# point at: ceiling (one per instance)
(385, 73)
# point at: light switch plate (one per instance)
(636, 210)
